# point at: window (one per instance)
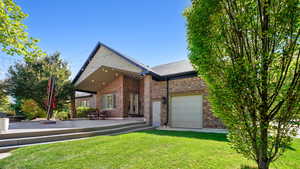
(84, 103)
(108, 101)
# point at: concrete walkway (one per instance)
(33, 126)
(4, 155)
(203, 130)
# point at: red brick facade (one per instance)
(122, 86)
(185, 86)
(115, 87)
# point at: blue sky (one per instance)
(151, 31)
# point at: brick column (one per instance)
(147, 99)
(73, 106)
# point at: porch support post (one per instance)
(73, 106)
(147, 99)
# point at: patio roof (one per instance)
(105, 58)
(142, 67)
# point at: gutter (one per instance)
(167, 100)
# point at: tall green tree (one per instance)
(247, 51)
(4, 99)
(29, 80)
(13, 36)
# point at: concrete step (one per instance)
(66, 136)
(9, 148)
(63, 131)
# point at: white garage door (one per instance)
(186, 111)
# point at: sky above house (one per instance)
(151, 31)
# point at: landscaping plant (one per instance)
(247, 51)
(29, 80)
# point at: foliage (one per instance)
(248, 53)
(4, 100)
(83, 111)
(16, 106)
(13, 37)
(32, 110)
(29, 80)
(61, 115)
(155, 149)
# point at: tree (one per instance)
(248, 53)
(29, 80)
(4, 100)
(13, 37)
(32, 110)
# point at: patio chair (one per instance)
(94, 115)
(103, 115)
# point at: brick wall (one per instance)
(122, 86)
(193, 85)
(116, 87)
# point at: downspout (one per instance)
(167, 100)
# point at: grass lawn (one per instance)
(150, 149)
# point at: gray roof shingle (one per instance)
(173, 68)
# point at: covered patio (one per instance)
(119, 83)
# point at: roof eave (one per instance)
(92, 54)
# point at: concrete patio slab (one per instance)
(36, 126)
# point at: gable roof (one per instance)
(159, 72)
(92, 54)
(173, 68)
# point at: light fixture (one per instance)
(103, 83)
(117, 74)
(92, 80)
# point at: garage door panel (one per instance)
(186, 111)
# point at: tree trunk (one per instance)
(263, 165)
(263, 160)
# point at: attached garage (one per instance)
(187, 111)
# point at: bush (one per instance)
(32, 110)
(61, 115)
(83, 111)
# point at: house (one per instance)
(83, 99)
(165, 95)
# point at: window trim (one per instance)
(114, 104)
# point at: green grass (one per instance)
(151, 149)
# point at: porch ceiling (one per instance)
(103, 76)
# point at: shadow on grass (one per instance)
(188, 134)
(247, 167)
(290, 148)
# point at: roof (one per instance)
(82, 94)
(173, 68)
(92, 54)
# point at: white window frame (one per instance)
(84, 103)
(108, 101)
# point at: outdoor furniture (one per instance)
(98, 115)
(103, 115)
(94, 115)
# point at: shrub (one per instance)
(61, 115)
(83, 111)
(32, 110)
